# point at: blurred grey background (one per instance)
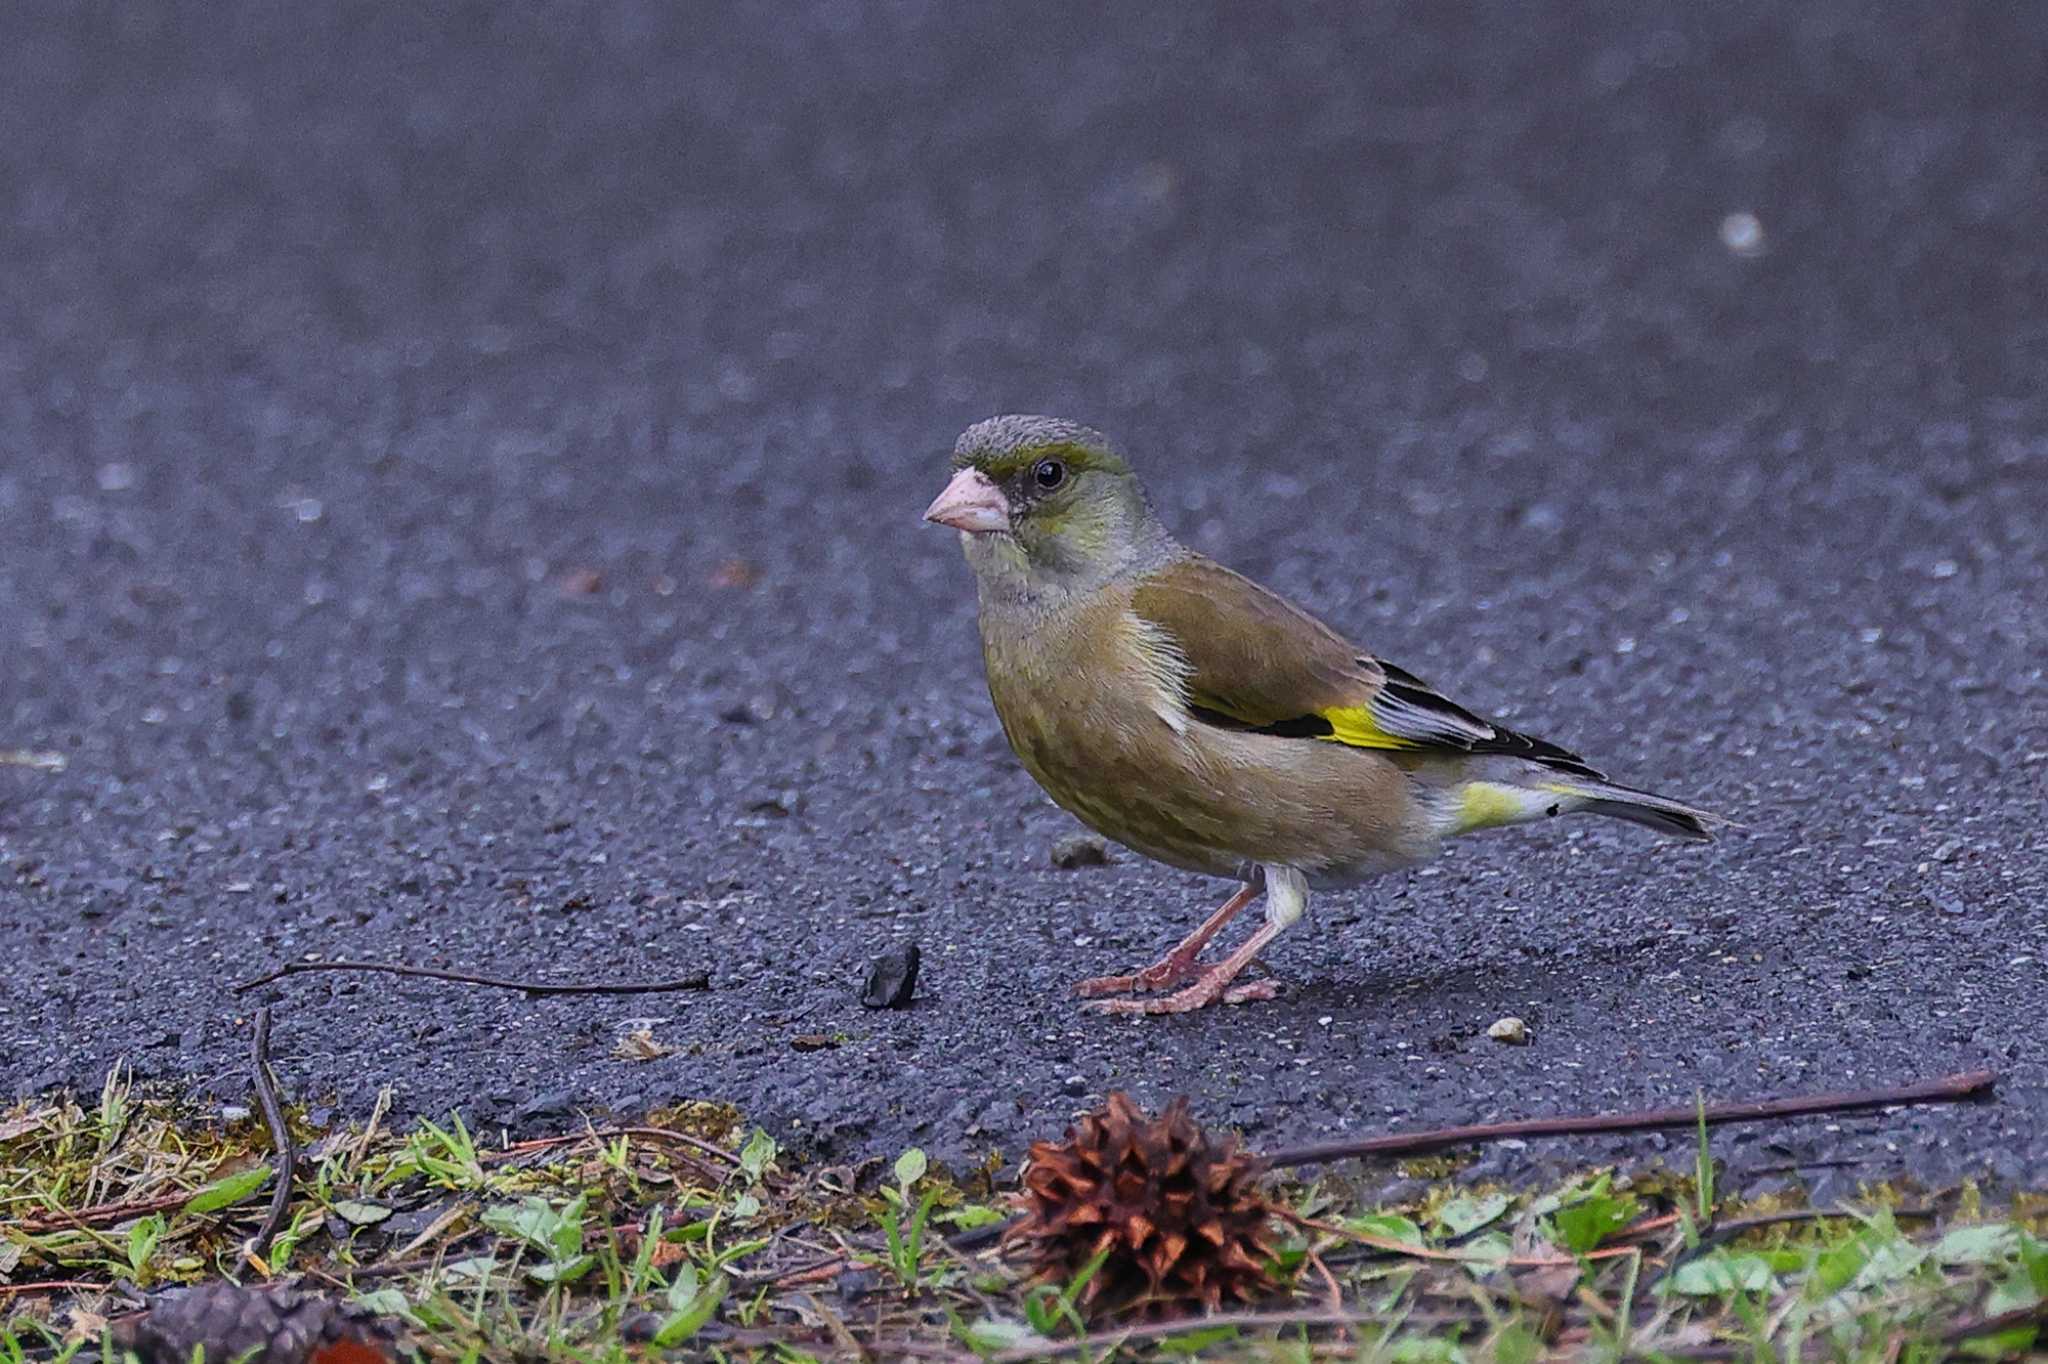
(459, 477)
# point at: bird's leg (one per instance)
(1177, 965)
(1286, 899)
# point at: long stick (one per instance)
(698, 981)
(1949, 1089)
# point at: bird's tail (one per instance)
(1652, 811)
(1538, 792)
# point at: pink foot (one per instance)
(1211, 987)
(1177, 965)
(1158, 976)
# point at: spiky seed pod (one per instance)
(218, 1322)
(1179, 1213)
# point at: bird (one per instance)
(1208, 723)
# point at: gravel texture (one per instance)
(459, 480)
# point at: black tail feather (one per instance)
(1665, 819)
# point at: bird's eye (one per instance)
(1050, 473)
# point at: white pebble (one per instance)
(1742, 234)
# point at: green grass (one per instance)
(693, 1237)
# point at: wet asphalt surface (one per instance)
(459, 485)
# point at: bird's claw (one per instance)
(1159, 976)
(1201, 994)
(1097, 986)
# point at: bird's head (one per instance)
(1043, 502)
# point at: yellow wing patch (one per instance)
(1354, 725)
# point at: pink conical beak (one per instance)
(970, 503)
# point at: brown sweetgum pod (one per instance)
(1179, 1213)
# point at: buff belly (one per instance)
(1222, 802)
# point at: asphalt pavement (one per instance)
(459, 485)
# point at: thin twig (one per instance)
(1409, 1248)
(1948, 1089)
(908, 1349)
(1717, 1234)
(607, 1133)
(824, 1273)
(979, 1238)
(698, 981)
(1094, 1342)
(1773, 1219)
(359, 1150)
(281, 1139)
(2034, 1314)
(347, 1274)
(1329, 1282)
(86, 1218)
(1638, 1230)
(11, 1290)
(1384, 1248)
(849, 1348)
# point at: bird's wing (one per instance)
(1258, 662)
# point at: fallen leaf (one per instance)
(1546, 1292)
(25, 1123)
(361, 1212)
(85, 1326)
(1467, 1213)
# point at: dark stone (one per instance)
(892, 978)
(854, 1284)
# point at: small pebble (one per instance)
(1510, 1030)
(580, 582)
(1742, 234)
(735, 573)
(1080, 850)
(892, 978)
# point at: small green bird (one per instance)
(1192, 715)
